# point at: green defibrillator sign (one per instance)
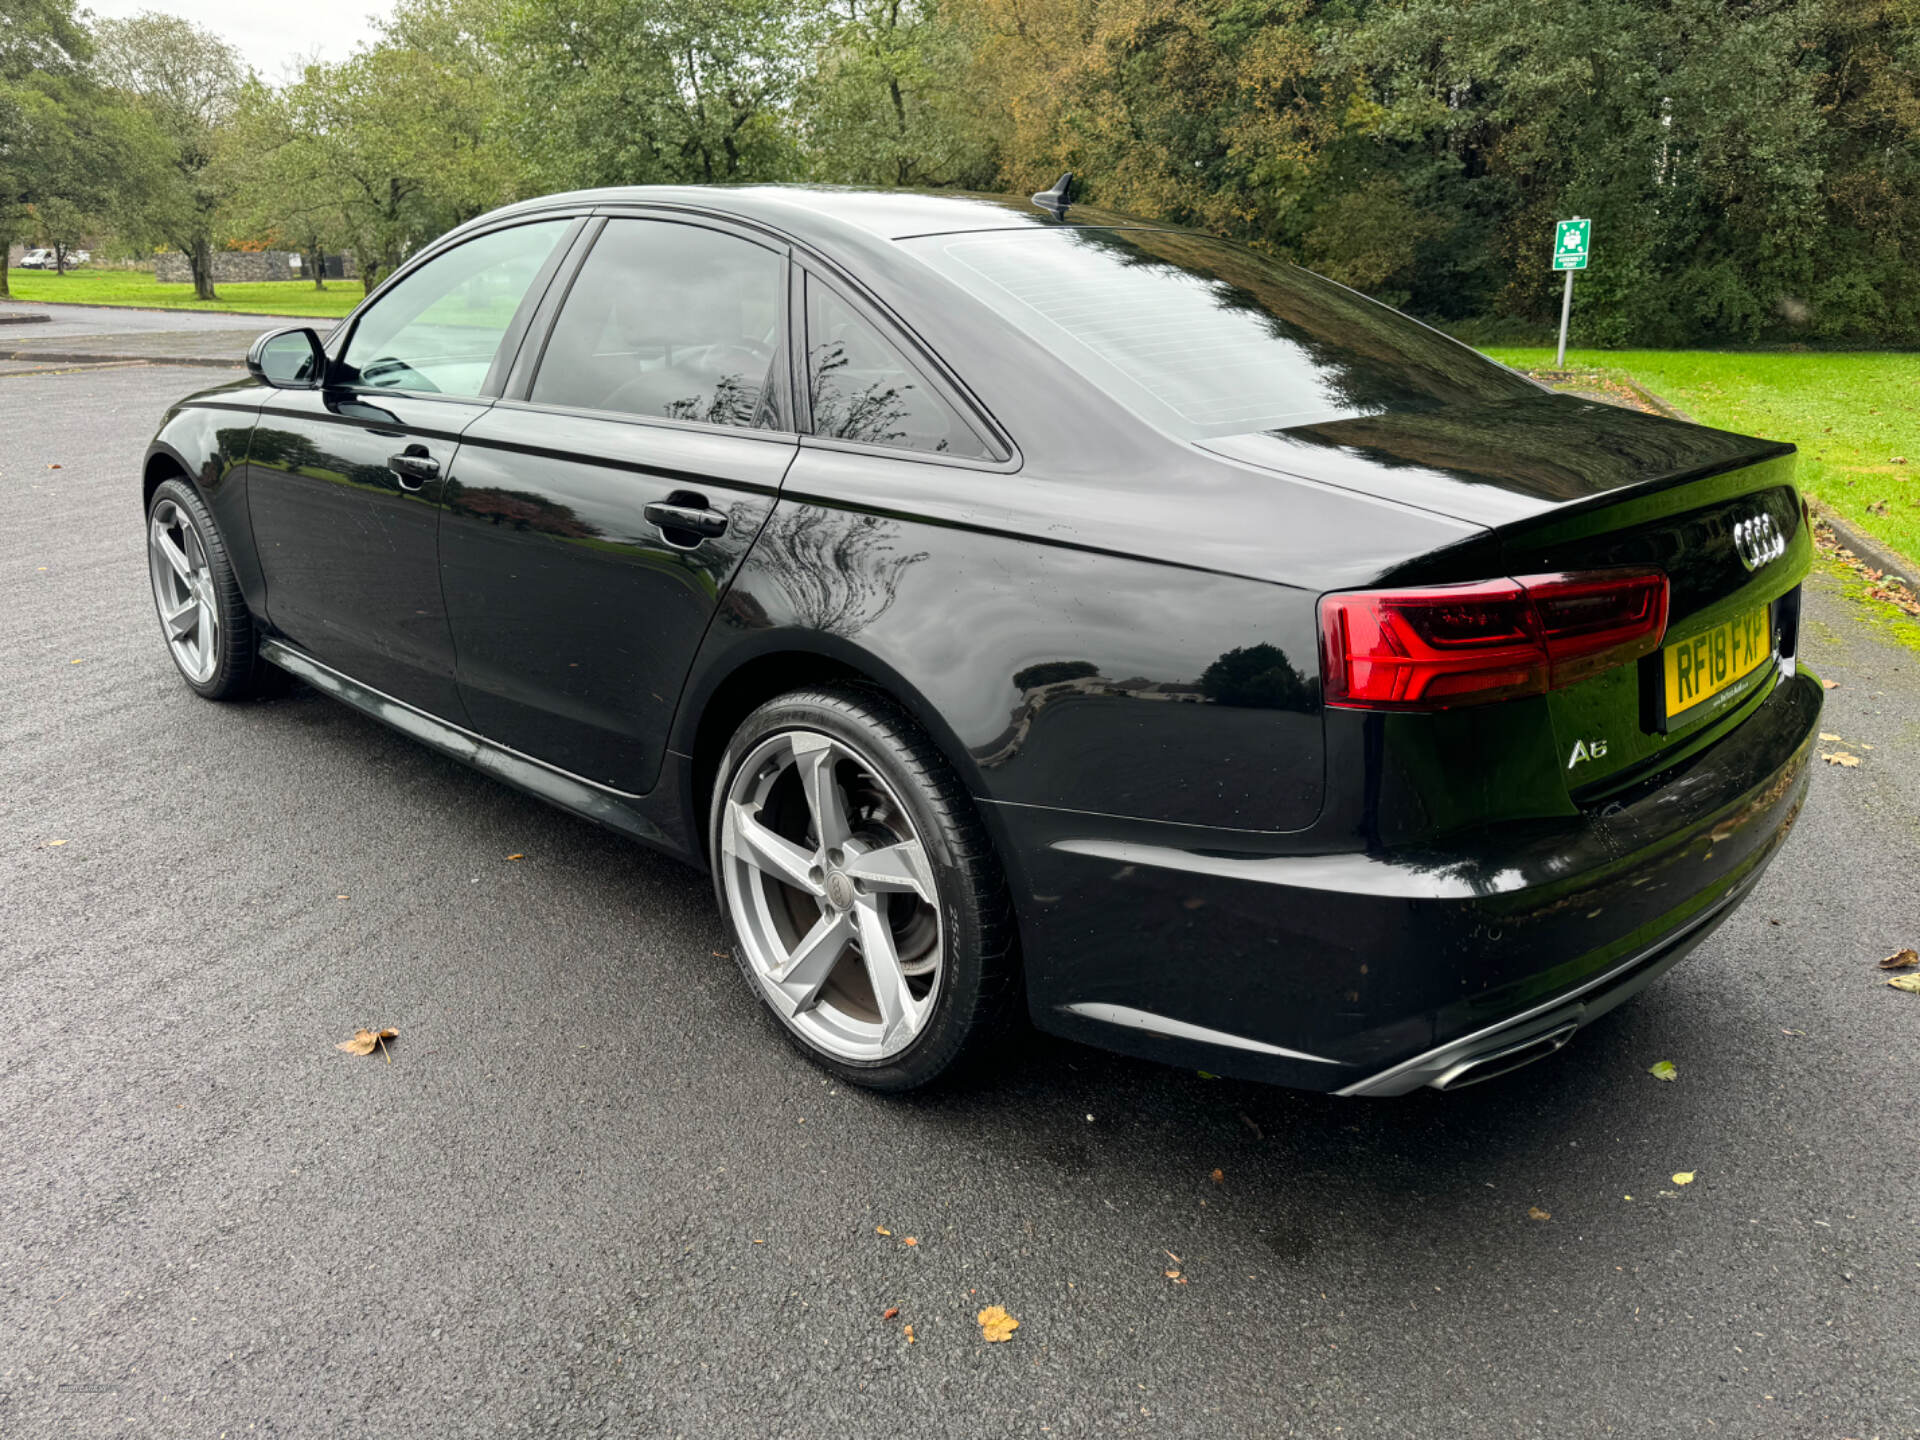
(1570, 244)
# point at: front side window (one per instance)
(669, 320)
(440, 327)
(863, 389)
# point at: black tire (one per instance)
(977, 1000)
(238, 670)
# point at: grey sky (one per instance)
(272, 37)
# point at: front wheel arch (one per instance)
(164, 464)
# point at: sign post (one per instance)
(1569, 254)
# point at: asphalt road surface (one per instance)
(593, 1192)
(95, 332)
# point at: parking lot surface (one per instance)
(594, 1192)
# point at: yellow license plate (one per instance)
(1699, 668)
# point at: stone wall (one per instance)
(241, 266)
(232, 266)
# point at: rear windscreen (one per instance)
(1205, 338)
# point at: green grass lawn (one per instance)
(137, 287)
(1852, 415)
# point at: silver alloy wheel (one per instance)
(831, 895)
(183, 591)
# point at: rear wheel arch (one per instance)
(771, 673)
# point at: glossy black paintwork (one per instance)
(205, 438)
(1494, 464)
(351, 554)
(575, 618)
(1372, 955)
(1057, 676)
(1110, 633)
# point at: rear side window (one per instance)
(864, 390)
(669, 320)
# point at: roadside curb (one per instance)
(75, 357)
(170, 310)
(1672, 412)
(1868, 551)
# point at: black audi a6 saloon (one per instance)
(1021, 608)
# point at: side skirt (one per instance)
(615, 809)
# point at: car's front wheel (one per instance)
(867, 907)
(204, 617)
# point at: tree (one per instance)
(383, 151)
(888, 100)
(183, 83)
(43, 49)
(387, 149)
(281, 198)
(1209, 112)
(630, 92)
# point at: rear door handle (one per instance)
(414, 467)
(688, 515)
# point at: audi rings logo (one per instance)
(1758, 540)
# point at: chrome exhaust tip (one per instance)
(1475, 1068)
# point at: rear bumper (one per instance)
(1375, 974)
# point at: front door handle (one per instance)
(414, 467)
(685, 515)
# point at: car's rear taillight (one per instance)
(1448, 645)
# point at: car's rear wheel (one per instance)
(203, 616)
(867, 907)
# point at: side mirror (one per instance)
(288, 359)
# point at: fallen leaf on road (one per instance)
(53, 467)
(363, 1042)
(516, 857)
(1219, 1177)
(1800, 1033)
(910, 1334)
(1901, 959)
(1176, 1277)
(1534, 1212)
(996, 1324)
(1683, 1177)
(1662, 1070)
(53, 845)
(881, 1230)
(1910, 983)
(890, 1312)
(1841, 758)
(910, 1240)
(1171, 1256)
(1829, 684)
(1829, 735)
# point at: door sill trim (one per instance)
(569, 791)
